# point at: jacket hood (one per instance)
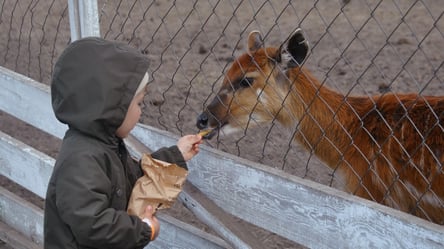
(93, 83)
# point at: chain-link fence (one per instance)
(359, 47)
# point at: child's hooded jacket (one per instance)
(93, 83)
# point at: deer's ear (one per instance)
(295, 49)
(255, 42)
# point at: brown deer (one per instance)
(387, 148)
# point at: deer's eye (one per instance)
(246, 82)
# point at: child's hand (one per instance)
(152, 221)
(189, 145)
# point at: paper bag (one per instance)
(159, 186)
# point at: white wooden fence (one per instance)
(308, 213)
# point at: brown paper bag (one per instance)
(159, 186)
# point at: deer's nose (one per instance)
(202, 121)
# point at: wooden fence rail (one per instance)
(308, 213)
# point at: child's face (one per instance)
(132, 116)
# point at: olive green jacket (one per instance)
(92, 86)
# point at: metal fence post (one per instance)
(83, 18)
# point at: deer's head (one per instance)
(256, 85)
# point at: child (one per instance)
(96, 89)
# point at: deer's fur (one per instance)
(387, 148)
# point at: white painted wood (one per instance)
(212, 221)
(28, 219)
(29, 101)
(308, 213)
(83, 18)
(15, 239)
(177, 234)
(21, 216)
(24, 165)
(237, 233)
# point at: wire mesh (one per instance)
(358, 47)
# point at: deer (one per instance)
(388, 148)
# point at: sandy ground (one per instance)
(364, 47)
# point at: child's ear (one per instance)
(294, 50)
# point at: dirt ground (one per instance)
(363, 47)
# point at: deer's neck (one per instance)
(324, 118)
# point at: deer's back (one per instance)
(406, 134)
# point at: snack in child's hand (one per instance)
(203, 133)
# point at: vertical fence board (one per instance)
(83, 18)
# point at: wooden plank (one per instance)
(29, 101)
(303, 211)
(18, 241)
(15, 239)
(25, 165)
(28, 219)
(22, 216)
(236, 233)
(177, 234)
